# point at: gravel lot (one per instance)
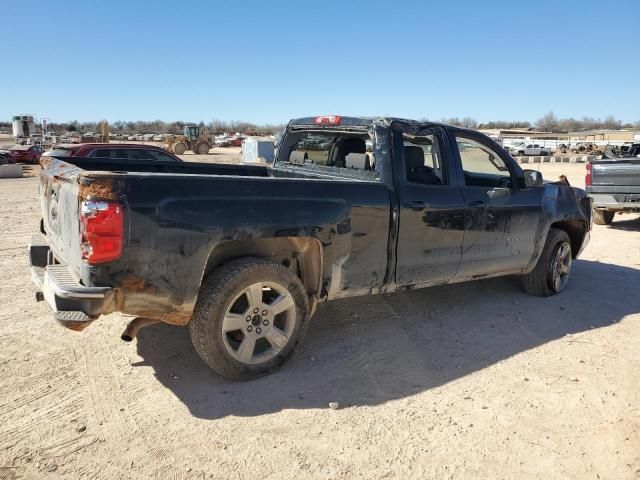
(473, 381)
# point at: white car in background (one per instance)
(222, 141)
(526, 148)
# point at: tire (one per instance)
(202, 148)
(602, 217)
(541, 281)
(521, 153)
(179, 148)
(225, 302)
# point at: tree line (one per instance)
(548, 123)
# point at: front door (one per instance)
(501, 215)
(431, 223)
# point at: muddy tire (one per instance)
(602, 217)
(251, 316)
(551, 274)
(179, 148)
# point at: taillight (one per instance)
(328, 120)
(101, 227)
(587, 178)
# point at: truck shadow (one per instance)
(369, 350)
(625, 223)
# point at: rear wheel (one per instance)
(251, 316)
(602, 217)
(551, 274)
(179, 148)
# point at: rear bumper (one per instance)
(615, 201)
(74, 305)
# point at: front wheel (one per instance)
(251, 316)
(602, 217)
(202, 148)
(551, 274)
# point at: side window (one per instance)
(161, 156)
(137, 154)
(100, 153)
(423, 160)
(482, 166)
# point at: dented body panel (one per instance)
(344, 234)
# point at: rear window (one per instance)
(331, 152)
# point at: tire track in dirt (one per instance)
(121, 410)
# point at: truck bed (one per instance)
(177, 214)
(194, 168)
(128, 166)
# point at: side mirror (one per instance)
(532, 178)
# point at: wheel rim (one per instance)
(259, 323)
(561, 267)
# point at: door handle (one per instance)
(416, 205)
(478, 204)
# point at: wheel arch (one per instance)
(576, 231)
(303, 255)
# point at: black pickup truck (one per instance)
(613, 183)
(242, 254)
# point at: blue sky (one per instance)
(268, 61)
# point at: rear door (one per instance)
(501, 216)
(431, 206)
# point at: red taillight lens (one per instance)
(328, 120)
(101, 227)
(587, 178)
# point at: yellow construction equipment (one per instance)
(196, 139)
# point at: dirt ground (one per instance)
(467, 381)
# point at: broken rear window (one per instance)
(330, 152)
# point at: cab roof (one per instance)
(345, 121)
(76, 146)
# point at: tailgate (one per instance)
(59, 205)
(619, 175)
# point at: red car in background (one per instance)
(236, 141)
(23, 153)
(122, 151)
